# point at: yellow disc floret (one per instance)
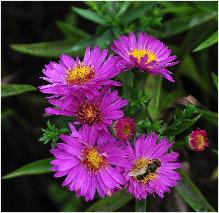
(136, 53)
(126, 129)
(200, 141)
(92, 159)
(89, 113)
(79, 74)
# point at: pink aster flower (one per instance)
(146, 53)
(151, 168)
(89, 161)
(69, 75)
(198, 140)
(100, 110)
(124, 128)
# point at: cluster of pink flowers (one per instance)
(91, 158)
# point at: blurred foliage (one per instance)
(180, 25)
(64, 198)
(192, 195)
(110, 204)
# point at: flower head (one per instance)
(124, 128)
(198, 140)
(151, 168)
(146, 53)
(99, 110)
(90, 161)
(69, 75)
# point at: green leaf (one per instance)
(90, 15)
(189, 69)
(191, 194)
(215, 79)
(52, 134)
(104, 40)
(153, 90)
(178, 25)
(53, 48)
(110, 204)
(176, 8)
(34, 168)
(211, 117)
(207, 6)
(123, 8)
(135, 13)
(180, 125)
(70, 31)
(15, 89)
(127, 83)
(207, 43)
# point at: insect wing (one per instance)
(139, 172)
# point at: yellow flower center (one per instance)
(79, 74)
(141, 163)
(92, 159)
(141, 53)
(89, 113)
(200, 141)
(126, 129)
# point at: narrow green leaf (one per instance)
(135, 13)
(127, 83)
(123, 8)
(180, 126)
(188, 68)
(215, 79)
(178, 8)
(140, 205)
(110, 204)
(153, 90)
(104, 40)
(34, 168)
(191, 194)
(211, 117)
(70, 31)
(181, 24)
(207, 6)
(90, 15)
(53, 48)
(15, 89)
(207, 43)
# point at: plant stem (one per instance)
(157, 99)
(140, 205)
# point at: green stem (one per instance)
(157, 98)
(140, 205)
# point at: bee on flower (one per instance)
(151, 168)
